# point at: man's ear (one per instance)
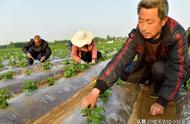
(164, 20)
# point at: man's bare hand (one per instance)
(91, 99)
(29, 55)
(156, 109)
(43, 59)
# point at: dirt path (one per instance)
(66, 108)
(142, 107)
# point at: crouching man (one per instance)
(161, 46)
(37, 49)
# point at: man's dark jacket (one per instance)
(188, 38)
(43, 48)
(173, 50)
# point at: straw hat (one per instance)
(82, 38)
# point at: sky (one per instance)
(20, 20)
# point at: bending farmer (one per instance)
(84, 49)
(38, 49)
(162, 49)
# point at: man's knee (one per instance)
(40, 55)
(126, 72)
(124, 76)
(158, 68)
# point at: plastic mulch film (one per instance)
(117, 110)
(183, 107)
(18, 70)
(26, 109)
(16, 84)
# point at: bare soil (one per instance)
(142, 107)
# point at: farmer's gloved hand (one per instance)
(43, 59)
(156, 109)
(29, 55)
(91, 99)
(82, 62)
(93, 61)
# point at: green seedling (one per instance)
(22, 64)
(30, 86)
(1, 65)
(3, 98)
(28, 72)
(47, 65)
(188, 85)
(51, 81)
(72, 68)
(8, 75)
(120, 82)
(95, 115)
(104, 97)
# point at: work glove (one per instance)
(93, 62)
(82, 62)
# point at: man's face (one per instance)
(150, 24)
(37, 41)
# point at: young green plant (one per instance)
(104, 97)
(72, 68)
(28, 72)
(1, 65)
(30, 86)
(188, 85)
(46, 65)
(8, 75)
(51, 81)
(120, 82)
(3, 98)
(95, 115)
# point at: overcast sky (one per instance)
(20, 20)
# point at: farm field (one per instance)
(14, 57)
(51, 92)
(18, 82)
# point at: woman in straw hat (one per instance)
(84, 49)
